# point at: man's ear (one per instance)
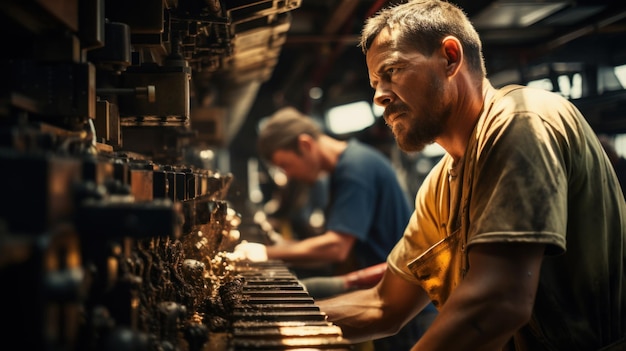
(453, 52)
(304, 142)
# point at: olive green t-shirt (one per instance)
(534, 172)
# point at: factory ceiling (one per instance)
(523, 40)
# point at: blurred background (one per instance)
(573, 48)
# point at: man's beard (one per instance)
(421, 128)
(419, 132)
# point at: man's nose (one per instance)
(383, 96)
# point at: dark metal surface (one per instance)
(113, 230)
(276, 313)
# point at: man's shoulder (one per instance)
(539, 104)
(525, 95)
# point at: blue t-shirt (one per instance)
(367, 201)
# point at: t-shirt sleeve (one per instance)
(519, 186)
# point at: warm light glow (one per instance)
(207, 154)
(316, 93)
(279, 177)
(259, 217)
(271, 206)
(256, 196)
(316, 220)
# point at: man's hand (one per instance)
(245, 250)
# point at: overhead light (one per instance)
(573, 15)
(349, 118)
(507, 14)
(316, 93)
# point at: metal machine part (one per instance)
(276, 313)
(111, 237)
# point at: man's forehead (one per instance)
(283, 154)
(384, 40)
(384, 46)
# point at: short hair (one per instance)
(281, 132)
(422, 24)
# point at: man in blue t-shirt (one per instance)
(367, 209)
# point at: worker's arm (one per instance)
(378, 311)
(326, 286)
(329, 247)
(493, 301)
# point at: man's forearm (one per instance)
(466, 329)
(378, 311)
(326, 248)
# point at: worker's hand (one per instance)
(275, 237)
(254, 252)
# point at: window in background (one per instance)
(349, 118)
(620, 144)
(378, 110)
(545, 84)
(620, 72)
(570, 85)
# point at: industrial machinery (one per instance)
(112, 227)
